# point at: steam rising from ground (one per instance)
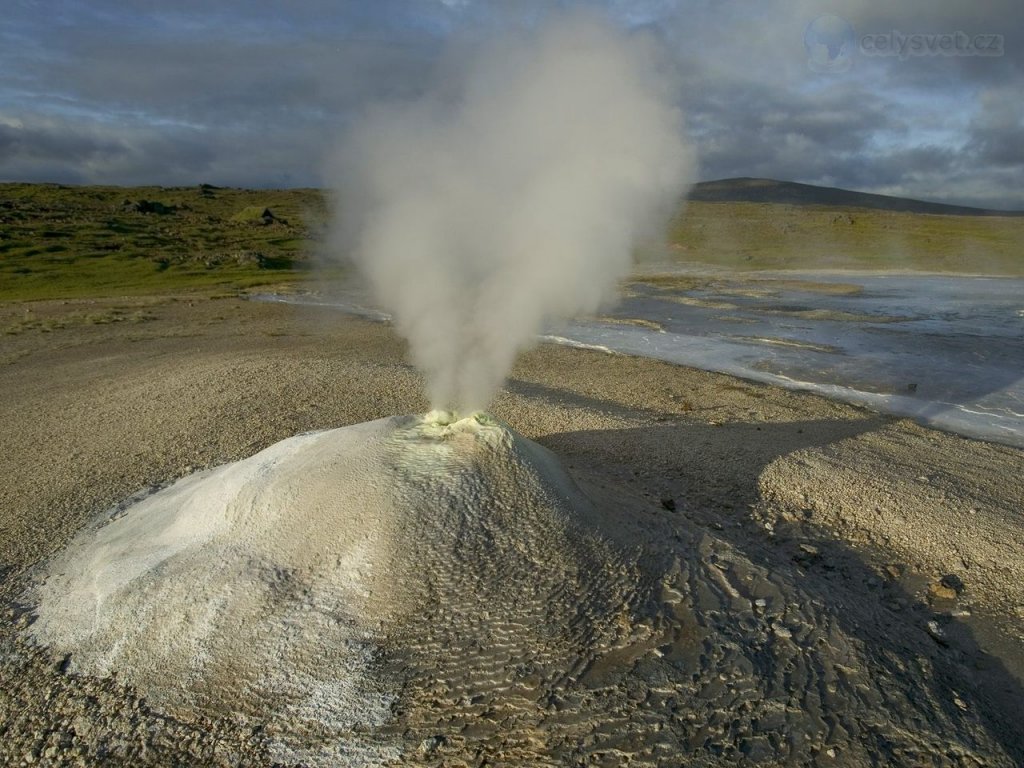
(510, 195)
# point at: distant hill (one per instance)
(747, 190)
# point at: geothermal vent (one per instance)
(266, 588)
(430, 591)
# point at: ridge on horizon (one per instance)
(747, 189)
(740, 189)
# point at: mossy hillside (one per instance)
(71, 242)
(62, 242)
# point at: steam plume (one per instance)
(509, 195)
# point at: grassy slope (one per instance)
(782, 236)
(63, 242)
(67, 242)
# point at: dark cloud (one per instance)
(997, 132)
(255, 92)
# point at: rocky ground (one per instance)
(788, 580)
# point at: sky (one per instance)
(256, 93)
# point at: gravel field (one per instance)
(781, 579)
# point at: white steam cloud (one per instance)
(510, 195)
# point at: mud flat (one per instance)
(707, 571)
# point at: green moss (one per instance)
(64, 242)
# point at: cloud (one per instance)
(104, 83)
(997, 132)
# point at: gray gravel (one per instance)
(901, 544)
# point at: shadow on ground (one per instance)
(710, 477)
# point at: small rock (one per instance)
(669, 504)
(936, 632)
(808, 555)
(940, 591)
(556, 702)
(430, 745)
(781, 631)
(952, 581)
(894, 571)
